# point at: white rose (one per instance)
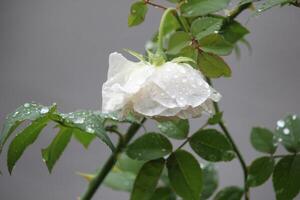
(169, 90)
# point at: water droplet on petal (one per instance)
(184, 80)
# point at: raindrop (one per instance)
(279, 139)
(294, 117)
(26, 105)
(286, 131)
(15, 114)
(90, 130)
(44, 110)
(216, 32)
(79, 120)
(280, 123)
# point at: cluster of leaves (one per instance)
(84, 125)
(151, 169)
(286, 172)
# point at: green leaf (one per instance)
(149, 146)
(210, 181)
(286, 178)
(53, 152)
(215, 119)
(243, 2)
(147, 179)
(129, 165)
(120, 180)
(288, 133)
(137, 14)
(215, 43)
(204, 26)
(260, 171)
(163, 193)
(230, 193)
(233, 32)
(135, 54)
(263, 140)
(91, 122)
(211, 145)
(28, 111)
(191, 53)
(213, 66)
(177, 129)
(182, 59)
(178, 41)
(24, 140)
(193, 8)
(83, 138)
(185, 175)
(123, 175)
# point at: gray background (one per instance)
(57, 51)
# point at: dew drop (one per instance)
(44, 110)
(90, 130)
(294, 117)
(79, 120)
(280, 123)
(26, 105)
(286, 131)
(279, 139)
(216, 32)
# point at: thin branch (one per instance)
(238, 11)
(188, 138)
(282, 156)
(234, 146)
(155, 5)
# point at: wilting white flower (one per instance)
(169, 90)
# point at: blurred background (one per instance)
(57, 51)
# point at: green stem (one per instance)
(188, 138)
(234, 146)
(161, 28)
(99, 178)
(238, 11)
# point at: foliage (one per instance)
(149, 167)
